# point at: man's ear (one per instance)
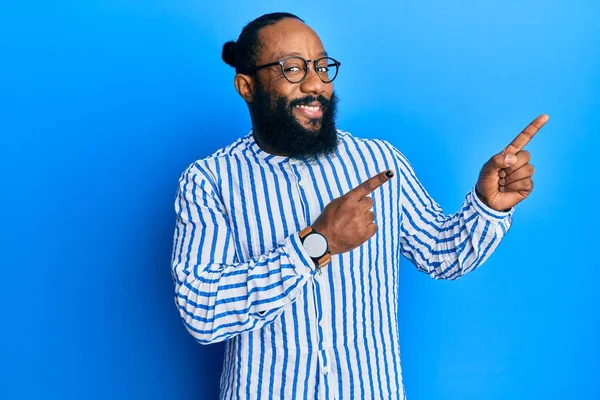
(244, 85)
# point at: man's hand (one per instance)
(505, 180)
(347, 222)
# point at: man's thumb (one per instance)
(509, 159)
(500, 161)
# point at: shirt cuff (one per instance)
(486, 212)
(302, 262)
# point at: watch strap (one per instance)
(305, 232)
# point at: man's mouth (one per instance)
(313, 110)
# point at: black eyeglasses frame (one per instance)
(306, 62)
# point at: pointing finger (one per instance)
(370, 185)
(527, 134)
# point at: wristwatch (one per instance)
(316, 246)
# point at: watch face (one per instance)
(315, 245)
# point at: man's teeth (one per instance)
(309, 108)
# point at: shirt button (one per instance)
(301, 184)
(325, 370)
(322, 324)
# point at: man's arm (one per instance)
(217, 296)
(446, 246)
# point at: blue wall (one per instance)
(104, 103)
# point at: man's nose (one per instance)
(312, 83)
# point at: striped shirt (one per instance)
(242, 275)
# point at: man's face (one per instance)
(297, 119)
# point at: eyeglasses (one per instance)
(295, 68)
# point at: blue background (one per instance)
(104, 103)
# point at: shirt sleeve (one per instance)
(217, 296)
(446, 246)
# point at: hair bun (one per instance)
(228, 53)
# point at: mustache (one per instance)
(310, 99)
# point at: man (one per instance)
(288, 241)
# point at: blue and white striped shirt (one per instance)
(242, 275)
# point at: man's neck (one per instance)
(265, 146)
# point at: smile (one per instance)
(310, 111)
(310, 108)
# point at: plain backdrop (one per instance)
(104, 103)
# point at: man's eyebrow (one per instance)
(281, 55)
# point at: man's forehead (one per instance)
(289, 37)
(276, 55)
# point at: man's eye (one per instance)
(292, 69)
(323, 69)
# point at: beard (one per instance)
(274, 122)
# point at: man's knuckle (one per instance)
(528, 185)
(529, 134)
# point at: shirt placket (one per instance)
(312, 208)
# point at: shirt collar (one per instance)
(255, 148)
